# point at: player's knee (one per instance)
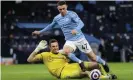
(67, 50)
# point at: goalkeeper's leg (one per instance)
(102, 70)
(93, 65)
(106, 75)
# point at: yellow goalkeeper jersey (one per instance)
(54, 62)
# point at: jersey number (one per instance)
(84, 46)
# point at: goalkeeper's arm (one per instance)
(42, 45)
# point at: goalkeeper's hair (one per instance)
(60, 3)
(52, 41)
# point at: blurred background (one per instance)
(108, 28)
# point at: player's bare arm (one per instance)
(36, 33)
(50, 26)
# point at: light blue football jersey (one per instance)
(67, 23)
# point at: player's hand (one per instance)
(74, 32)
(42, 45)
(36, 33)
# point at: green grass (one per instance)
(124, 71)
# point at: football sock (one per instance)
(74, 58)
(100, 60)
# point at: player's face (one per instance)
(54, 48)
(62, 9)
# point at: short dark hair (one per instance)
(60, 3)
(52, 41)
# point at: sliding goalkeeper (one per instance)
(58, 65)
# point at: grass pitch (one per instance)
(124, 71)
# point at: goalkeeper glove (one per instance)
(42, 45)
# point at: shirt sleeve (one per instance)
(49, 27)
(77, 20)
(38, 57)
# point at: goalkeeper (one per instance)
(57, 63)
